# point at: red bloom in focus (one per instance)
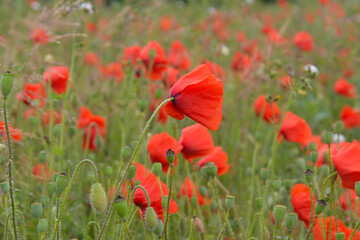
(59, 76)
(154, 58)
(41, 172)
(33, 92)
(347, 164)
(188, 188)
(54, 115)
(179, 56)
(198, 95)
(295, 129)
(350, 117)
(344, 88)
(158, 145)
(114, 70)
(196, 141)
(269, 111)
(91, 59)
(301, 201)
(132, 54)
(40, 36)
(286, 81)
(15, 134)
(215, 69)
(241, 62)
(219, 158)
(304, 41)
(92, 125)
(317, 230)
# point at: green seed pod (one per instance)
(151, 219)
(229, 202)
(57, 130)
(211, 169)
(43, 200)
(288, 184)
(264, 173)
(143, 104)
(328, 138)
(325, 170)
(319, 206)
(108, 171)
(279, 213)
(7, 82)
(203, 191)
(194, 200)
(170, 155)
(98, 197)
(50, 188)
(276, 185)
(36, 209)
(314, 156)
(160, 228)
(339, 126)
(312, 146)
(204, 172)
(131, 173)
(4, 185)
(259, 203)
(158, 93)
(309, 176)
(61, 183)
(300, 162)
(156, 168)
(340, 236)
(125, 152)
(291, 219)
(198, 224)
(2, 147)
(72, 131)
(42, 225)
(213, 206)
(357, 188)
(121, 206)
(327, 197)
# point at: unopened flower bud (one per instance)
(288, 184)
(42, 156)
(264, 173)
(203, 191)
(7, 82)
(42, 225)
(121, 206)
(170, 155)
(279, 213)
(61, 183)
(276, 184)
(50, 188)
(259, 203)
(312, 146)
(309, 176)
(194, 200)
(328, 138)
(198, 224)
(36, 209)
(300, 162)
(91, 177)
(340, 236)
(131, 173)
(320, 206)
(98, 197)
(108, 171)
(291, 219)
(143, 104)
(314, 156)
(160, 228)
(156, 168)
(151, 219)
(229, 202)
(158, 93)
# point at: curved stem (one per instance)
(88, 226)
(353, 233)
(69, 188)
(7, 223)
(325, 183)
(168, 200)
(129, 164)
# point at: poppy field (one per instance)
(180, 119)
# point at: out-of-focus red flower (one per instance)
(32, 93)
(171, 77)
(91, 59)
(349, 196)
(323, 152)
(158, 145)
(155, 61)
(240, 37)
(196, 141)
(251, 48)
(198, 95)
(40, 36)
(348, 72)
(46, 116)
(286, 81)
(241, 62)
(315, 139)
(15, 134)
(318, 234)
(114, 70)
(179, 56)
(216, 69)
(132, 54)
(295, 129)
(304, 41)
(324, 2)
(219, 158)
(41, 172)
(269, 111)
(301, 201)
(347, 164)
(59, 76)
(91, 27)
(309, 17)
(350, 117)
(162, 115)
(168, 23)
(188, 188)
(344, 88)
(275, 37)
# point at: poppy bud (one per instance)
(98, 197)
(300, 162)
(276, 185)
(57, 130)
(170, 155)
(279, 213)
(259, 203)
(42, 156)
(131, 173)
(125, 152)
(158, 93)
(211, 169)
(50, 188)
(327, 197)
(194, 200)
(213, 206)
(36, 209)
(164, 202)
(340, 236)
(320, 206)
(203, 191)
(60, 184)
(198, 225)
(7, 82)
(264, 173)
(314, 156)
(204, 172)
(121, 206)
(312, 146)
(309, 176)
(42, 225)
(229, 202)
(288, 184)
(339, 126)
(91, 177)
(328, 138)
(156, 168)
(4, 185)
(43, 200)
(160, 228)
(357, 188)
(143, 104)
(108, 171)
(151, 219)
(72, 131)
(291, 219)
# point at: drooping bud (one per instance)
(229, 202)
(203, 191)
(121, 206)
(309, 176)
(264, 173)
(340, 236)
(160, 228)
(36, 209)
(131, 173)
(291, 219)
(156, 168)
(328, 138)
(7, 82)
(279, 213)
(300, 162)
(198, 224)
(91, 177)
(98, 197)
(42, 225)
(151, 219)
(170, 155)
(320, 206)
(4, 186)
(61, 183)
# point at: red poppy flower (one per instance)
(304, 41)
(91, 59)
(40, 36)
(269, 111)
(219, 158)
(91, 27)
(115, 71)
(323, 152)
(158, 145)
(295, 129)
(339, 226)
(41, 172)
(179, 56)
(301, 201)
(348, 72)
(346, 162)
(324, 2)
(252, 49)
(132, 54)
(59, 76)
(198, 95)
(344, 88)
(350, 117)
(154, 58)
(240, 37)
(286, 81)
(215, 69)
(349, 196)
(33, 92)
(172, 75)
(162, 116)
(15, 134)
(54, 115)
(196, 141)
(168, 23)
(188, 188)
(241, 62)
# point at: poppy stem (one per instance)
(10, 177)
(311, 227)
(168, 200)
(325, 183)
(129, 164)
(353, 233)
(88, 227)
(223, 227)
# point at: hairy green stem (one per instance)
(88, 226)
(223, 227)
(353, 233)
(168, 200)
